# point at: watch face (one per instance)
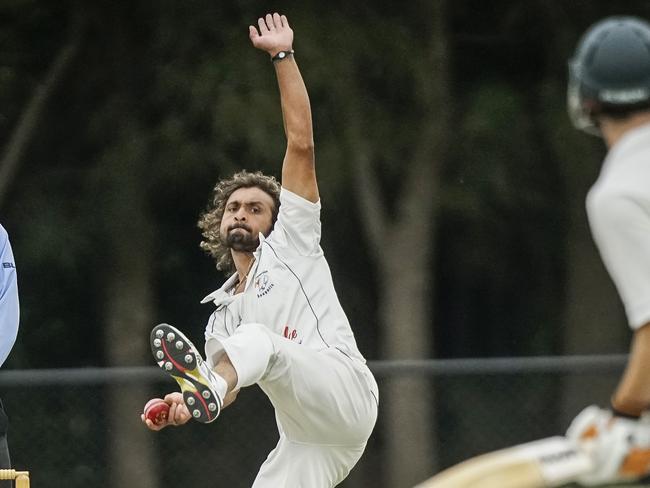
(282, 54)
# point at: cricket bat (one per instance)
(545, 463)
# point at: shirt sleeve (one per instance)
(620, 225)
(298, 226)
(9, 307)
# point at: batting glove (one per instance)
(619, 447)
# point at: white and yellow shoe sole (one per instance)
(178, 357)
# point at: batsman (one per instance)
(278, 322)
(609, 96)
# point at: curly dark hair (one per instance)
(210, 220)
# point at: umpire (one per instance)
(9, 316)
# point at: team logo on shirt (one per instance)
(291, 334)
(263, 284)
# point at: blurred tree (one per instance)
(31, 114)
(390, 136)
(593, 321)
(455, 222)
(497, 259)
(122, 176)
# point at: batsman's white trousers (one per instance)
(325, 405)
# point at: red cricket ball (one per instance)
(156, 410)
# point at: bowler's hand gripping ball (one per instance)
(156, 410)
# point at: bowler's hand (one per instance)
(178, 412)
(274, 34)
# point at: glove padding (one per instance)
(619, 447)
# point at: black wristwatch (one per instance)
(282, 55)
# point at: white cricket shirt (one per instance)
(618, 206)
(290, 288)
(9, 309)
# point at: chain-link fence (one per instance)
(68, 426)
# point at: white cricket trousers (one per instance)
(325, 405)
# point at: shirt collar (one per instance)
(221, 293)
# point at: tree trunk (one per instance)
(403, 248)
(129, 318)
(409, 402)
(129, 311)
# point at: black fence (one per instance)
(71, 427)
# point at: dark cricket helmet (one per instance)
(610, 72)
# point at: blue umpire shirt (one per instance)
(9, 308)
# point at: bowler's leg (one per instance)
(299, 465)
(321, 397)
(325, 404)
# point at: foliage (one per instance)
(178, 88)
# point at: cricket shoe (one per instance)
(176, 355)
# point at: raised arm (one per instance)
(298, 168)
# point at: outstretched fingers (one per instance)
(270, 22)
(262, 25)
(277, 21)
(272, 34)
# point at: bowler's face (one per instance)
(248, 212)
